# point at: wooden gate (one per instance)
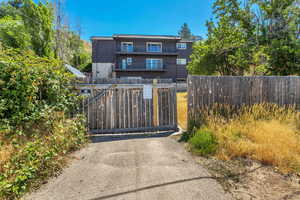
(131, 108)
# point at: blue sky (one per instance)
(106, 17)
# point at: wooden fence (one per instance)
(205, 91)
(89, 80)
(123, 108)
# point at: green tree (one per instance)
(256, 37)
(26, 25)
(13, 33)
(227, 50)
(185, 32)
(34, 21)
(279, 31)
(38, 19)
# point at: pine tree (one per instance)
(185, 32)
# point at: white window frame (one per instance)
(161, 60)
(181, 61)
(179, 45)
(129, 61)
(160, 43)
(126, 49)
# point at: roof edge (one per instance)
(146, 36)
(102, 38)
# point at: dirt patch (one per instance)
(248, 180)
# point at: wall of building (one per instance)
(104, 58)
(102, 70)
(103, 51)
(139, 45)
(139, 61)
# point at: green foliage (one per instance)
(30, 84)
(30, 21)
(79, 57)
(203, 142)
(13, 33)
(86, 68)
(185, 32)
(36, 98)
(38, 19)
(36, 159)
(28, 25)
(255, 38)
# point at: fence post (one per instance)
(155, 103)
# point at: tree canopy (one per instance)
(185, 32)
(256, 37)
(27, 25)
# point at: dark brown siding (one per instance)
(170, 73)
(103, 51)
(185, 53)
(139, 62)
(182, 72)
(139, 45)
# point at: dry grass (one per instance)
(5, 154)
(182, 109)
(265, 132)
(37, 153)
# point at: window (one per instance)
(154, 47)
(127, 46)
(181, 61)
(129, 61)
(126, 62)
(181, 45)
(154, 63)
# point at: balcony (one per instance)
(140, 68)
(129, 50)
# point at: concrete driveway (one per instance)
(132, 167)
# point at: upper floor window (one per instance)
(181, 61)
(129, 61)
(127, 46)
(154, 47)
(126, 62)
(154, 63)
(181, 45)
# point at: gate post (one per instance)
(155, 103)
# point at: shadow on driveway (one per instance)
(127, 136)
(152, 186)
(177, 182)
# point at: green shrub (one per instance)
(203, 142)
(41, 155)
(30, 85)
(36, 98)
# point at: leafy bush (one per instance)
(36, 96)
(30, 85)
(33, 159)
(203, 142)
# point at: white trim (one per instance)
(147, 36)
(127, 43)
(101, 38)
(178, 61)
(162, 61)
(180, 47)
(129, 62)
(161, 46)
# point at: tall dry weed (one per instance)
(264, 132)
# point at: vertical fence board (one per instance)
(125, 108)
(205, 91)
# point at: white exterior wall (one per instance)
(102, 70)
